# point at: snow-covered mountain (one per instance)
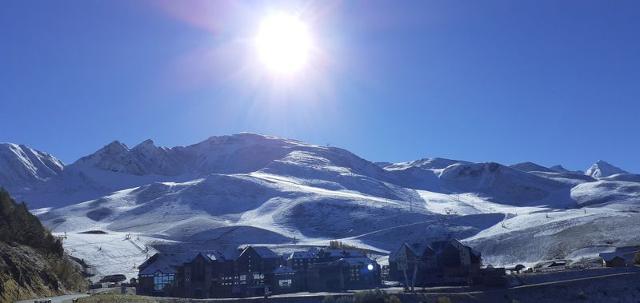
(530, 166)
(22, 167)
(603, 169)
(247, 188)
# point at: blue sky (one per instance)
(508, 81)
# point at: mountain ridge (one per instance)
(254, 189)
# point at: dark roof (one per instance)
(263, 252)
(626, 254)
(304, 254)
(168, 262)
(419, 248)
(165, 263)
(284, 270)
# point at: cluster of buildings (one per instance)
(439, 263)
(254, 271)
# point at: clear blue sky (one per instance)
(547, 81)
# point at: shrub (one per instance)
(115, 298)
(372, 296)
(393, 299)
(328, 299)
(344, 299)
(444, 300)
(582, 295)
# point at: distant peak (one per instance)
(145, 144)
(115, 147)
(602, 169)
(530, 166)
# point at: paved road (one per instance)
(60, 299)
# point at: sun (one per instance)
(283, 43)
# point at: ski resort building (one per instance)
(437, 263)
(622, 256)
(158, 274)
(252, 271)
(344, 273)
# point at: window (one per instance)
(160, 280)
(284, 283)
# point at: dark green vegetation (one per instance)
(372, 296)
(32, 261)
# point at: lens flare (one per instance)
(283, 44)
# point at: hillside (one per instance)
(22, 168)
(32, 261)
(247, 188)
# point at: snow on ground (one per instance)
(251, 189)
(110, 253)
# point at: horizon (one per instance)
(546, 82)
(133, 145)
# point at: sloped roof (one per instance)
(263, 252)
(628, 253)
(165, 263)
(419, 248)
(304, 254)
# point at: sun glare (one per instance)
(283, 44)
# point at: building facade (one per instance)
(436, 263)
(254, 271)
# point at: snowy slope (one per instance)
(530, 167)
(252, 189)
(561, 169)
(116, 166)
(22, 167)
(502, 184)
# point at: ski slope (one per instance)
(252, 189)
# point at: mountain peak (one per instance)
(530, 166)
(21, 166)
(115, 146)
(425, 163)
(602, 169)
(145, 145)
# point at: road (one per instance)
(59, 299)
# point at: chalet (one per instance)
(254, 270)
(621, 257)
(157, 275)
(438, 263)
(343, 274)
(300, 261)
(204, 275)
